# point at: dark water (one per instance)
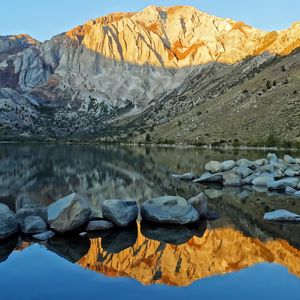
(238, 256)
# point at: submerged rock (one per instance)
(282, 184)
(68, 213)
(282, 215)
(44, 236)
(120, 212)
(8, 222)
(209, 178)
(99, 225)
(186, 176)
(213, 193)
(169, 209)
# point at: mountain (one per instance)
(100, 79)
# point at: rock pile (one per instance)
(73, 214)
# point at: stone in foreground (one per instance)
(68, 213)
(33, 225)
(121, 212)
(169, 210)
(99, 225)
(8, 222)
(282, 215)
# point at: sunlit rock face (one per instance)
(219, 251)
(133, 58)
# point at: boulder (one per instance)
(68, 213)
(244, 171)
(245, 162)
(8, 222)
(199, 203)
(265, 169)
(213, 167)
(283, 184)
(227, 165)
(288, 159)
(33, 225)
(99, 225)
(290, 191)
(297, 194)
(186, 176)
(261, 162)
(44, 236)
(272, 157)
(289, 173)
(249, 179)
(232, 179)
(169, 209)
(263, 180)
(23, 213)
(282, 215)
(121, 212)
(209, 178)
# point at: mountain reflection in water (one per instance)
(169, 255)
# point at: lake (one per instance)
(237, 256)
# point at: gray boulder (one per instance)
(290, 191)
(121, 212)
(199, 203)
(261, 162)
(272, 157)
(209, 178)
(289, 173)
(8, 222)
(297, 194)
(68, 213)
(213, 167)
(244, 171)
(245, 162)
(265, 169)
(282, 215)
(99, 225)
(23, 213)
(169, 209)
(33, 225)
(44, 236)
(249, 179)
(288, 159)
(232, 179)
(227, 165)
(186, 176)
(283, 184)
(263, 180)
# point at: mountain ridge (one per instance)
(124, 64)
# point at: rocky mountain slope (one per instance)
(98, 80)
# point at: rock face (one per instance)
(123, 60)
(120, 212)
(8, 222)
(68, 213)
(169, 209)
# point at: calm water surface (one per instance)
(238, 256)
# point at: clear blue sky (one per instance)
(44, 18)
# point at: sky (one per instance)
(44, 18)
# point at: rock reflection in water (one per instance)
(172, 234)
(70, 248)
(116, 240)
(7, 247)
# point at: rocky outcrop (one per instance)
(169, 210)
(68, 213)
(119, 65)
